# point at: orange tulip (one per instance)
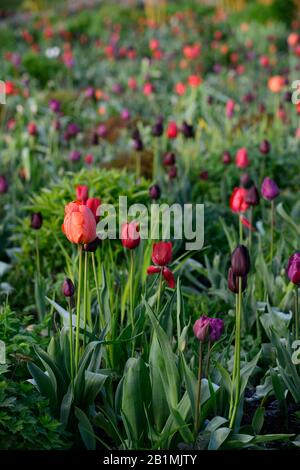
(79, 223)
(276, 83)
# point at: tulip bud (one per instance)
(226, 157)
(68, 288)
(201, 328)
(240, 261)
(154, 191)
(157, 129)
(169, 159)
(252, 196)
(138, 145)
(233, 282)
(172, 173)
(187, 130)
(245, 180)
(3, 185)
(265, 147)
(269, 189)
(293, 268)
(130, 236)
(36, 220)
(32, 129)
(74, 156)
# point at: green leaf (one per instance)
(93, 384)
(85, 429)
(258, 419)
(43, 383)
(218, 437)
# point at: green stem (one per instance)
(37, 250)
(71, 344)
(208, 360)
(85, 293)
(296, 312)
(78, 309)
(159, 292)
(131, 290)
(238, 356)
(101, 324)
(250, 229)
(198, 399)
(241, 230)
(234, 361)
(272, 229)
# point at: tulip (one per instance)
(230, 105)
(233, 283)
(172, 173)
(216, 328)
(172, 130)
(158, 129)
(293, 273)
(93, 203)
(82, 193)
(187, 130)
(32, 129)
(237, 201)
(162, 253)
(36, 220)
(79, 223)
(154, 191)
(226, 158)
(240, 261)
(89, 159)
(125, 114)
(130, 236)
(54, 105)
(201, 328)
(102, 130)
(68, 288)
(265, 147)
(75, 156)
(92, 246)
(241, 158)
(252, 196)
(276, 83)
(245, 180)
(269, 189)
(169, 159)
(3, 185)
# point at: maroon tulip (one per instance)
(252, 196)
(68, 288)
(36, 220)
(293, 268)
(240, 261)
(154, 191)
(233, 282)
(162, 253)
(269, 189)
(3, 185)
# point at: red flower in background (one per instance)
(241, 158)
(161, 256)
(93, 203)
(82, 193)
(172, 130)
(237, 201)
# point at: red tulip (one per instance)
(237, 200)
(166, 272)
(93, 203)
(172, 130)
(130, 236)
(162, 253)
(241, 158)
(82, 193)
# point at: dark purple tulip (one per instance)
(3, 184)
(252, 196)
(216, 328)
(201, 328)
(288, 97)
(54, 105)
(136, 134)
(158, 129)
(169, 159)
(293, 268)
(92, 246)
(68, 288)
(95, 138)
(187, 130)
(233, 282)
(36, 220)
(248, 98)
(265, 147)
(71, 131)
(138, 145)
(172, 173)
(269, 189)
(75, 156)
(210, 99)
(245, 180)
(154, 191)
(226, 158)
(102, 130)
(240, 261)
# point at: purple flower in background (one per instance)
(54, 105)
(208, 328)
(269, 189)
(71, 131)
(293, 268)
(89, 92)
(216, 328)
(3, 185)
(201, 327)
(75, 156)
(102, 130)
(125, 114)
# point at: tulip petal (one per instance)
(169, 277)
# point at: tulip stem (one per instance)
(208, 359)
(159, 292)
(296, 312)
(71, 343)
(97, 290)
(38, 265)
(78, 308)
(234, 361)
(198, 399)
(272, 229)
(85, 292)
(250, 229)
(131, 289)
(241, 230)
(237, 378)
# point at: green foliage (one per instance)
(41, 68)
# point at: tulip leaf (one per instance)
(85, 429)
